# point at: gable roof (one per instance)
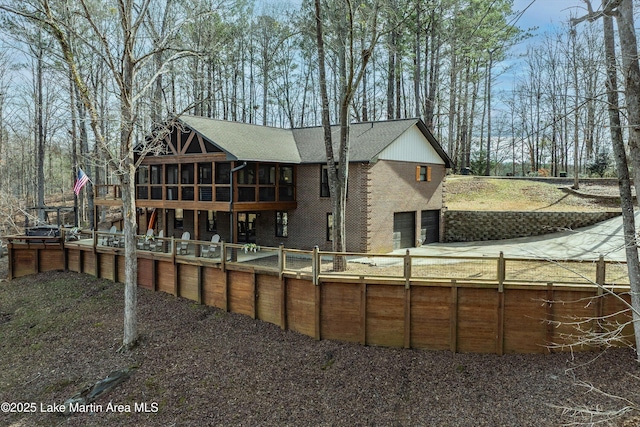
(248, 142)
(367, 140)
(243, 141)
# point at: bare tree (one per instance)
(124, 60)
(623, 10)
(351, 68)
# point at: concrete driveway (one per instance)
(586, 243)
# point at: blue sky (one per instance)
(548, 13)
(548, 16)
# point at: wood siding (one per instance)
(461, 316)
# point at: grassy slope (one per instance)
(470, 193)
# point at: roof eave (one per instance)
(448, 163)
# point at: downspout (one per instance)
(231, 216)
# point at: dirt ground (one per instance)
(200, 366)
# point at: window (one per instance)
(142, 179)
(324, 181)
(143, 174)
(286, 190)
(178, 218)
(222, 173)
(187, 173)
(223, 194)
(204, 173)
(246, 194)
(247, 175)
(187, 193)
(282, 221)
(267, 174)
(330, 227)
(172, 193)
(267, 194)
(286, 175)
(423, 173)
(172, 174)
(156, 174)
(143, 192)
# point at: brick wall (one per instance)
(393, 188)
(376, 192)
(470, 226)
(308, 223)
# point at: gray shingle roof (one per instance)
(242, 141)
(366, 140)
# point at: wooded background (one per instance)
(446, 61)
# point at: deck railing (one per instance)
(319, 264)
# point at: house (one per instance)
(264, 185)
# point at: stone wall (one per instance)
(470, 226)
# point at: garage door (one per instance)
(430, 226)
(404, 230)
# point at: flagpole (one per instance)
(75, 196)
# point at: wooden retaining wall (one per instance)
(455, 315)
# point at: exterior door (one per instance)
(430, 227)
(247, 227)
(404, 230)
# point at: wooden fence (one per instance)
(482, 305)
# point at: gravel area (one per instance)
(203, 366)
(602, 190)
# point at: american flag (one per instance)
(80, 181)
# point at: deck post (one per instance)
(407, 317)
(223, 257)
(600, 281)
(65, 255)
(315, 265)
(281, 260)
(549, 315)
(363, 311)
(407, 269)
(500, 308)
(453, 317)
(501, 274)
(200, 299)
(283, 303)
(10, 255)
(317, 332)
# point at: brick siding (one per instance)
(393, 188)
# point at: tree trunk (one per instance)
(624, 181)
(128, 184)
(391, 78)
(40, 137)
(487, 170)
(631, 74)
(576, 113)
(130, 259)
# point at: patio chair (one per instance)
(209, 251)
(184, 245)
(110, 238)
(157, 244)
(146, 240)
(118, 239)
